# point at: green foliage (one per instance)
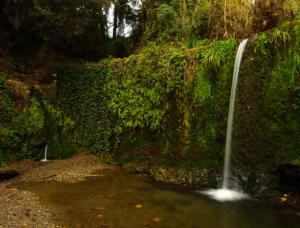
(279, 37)
(82, 98)
(7, 138)
(175, 101)
(206, 108)
(7, 107)
(144, 85)
(73, 27)
(261, 44)
(168, 23)
(7, 113)
(21, 135)
(57, 129)
(2, 158)
(283, 98)
(82, 28)
(214, 56)
(267, 114)
(276, 38)
(31, 122)
(194, 43)
(203, 87)
(116, 96)
(164, 25)
(148, 96)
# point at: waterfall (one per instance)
(237, 65)
(224, 194)
(45, 153)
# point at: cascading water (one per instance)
(224, 194)
(45, 154)
(237, 65)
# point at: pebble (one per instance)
(22, 209)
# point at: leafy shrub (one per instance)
(31, 122)
(165, 25)
(176, 100)
(143, 87)
(24, 133)
(217, 54)
(7, 106)
(2, 159)
(82, 98)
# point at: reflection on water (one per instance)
(118, 199)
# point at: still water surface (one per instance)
(118, 199)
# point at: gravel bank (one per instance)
(23, 209)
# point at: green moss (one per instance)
(2, 158)
(82, 97)
(31, 122)
(266, 112)
(141, 87)
(22, 135)
(296, 161)
(7, 106)
(146, 100)
(170, 105)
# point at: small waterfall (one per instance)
(224, 194)
(237, 65)
(45, 153)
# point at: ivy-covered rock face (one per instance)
(7, 113)
(167, 98)
(23, 134)
(7, 109)
(171, 102)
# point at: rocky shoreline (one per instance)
(264, 186)
(21, 208)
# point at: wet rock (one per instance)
(289, 177)
(7, 174)
(255, 183)
(141, 168)
(202, 177)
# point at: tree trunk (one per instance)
(115, 23)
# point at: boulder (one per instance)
(7, 174)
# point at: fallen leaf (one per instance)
(138, 206)
(100, 216)
(284, 198)
(157, 220)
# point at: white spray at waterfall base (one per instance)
(225, 194)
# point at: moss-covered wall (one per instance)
(172, 102)
(81, 96)
(23, 134)
(165, 102)
(267, 113)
